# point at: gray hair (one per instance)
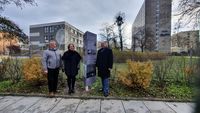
(52, 41)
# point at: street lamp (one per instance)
(120, 20)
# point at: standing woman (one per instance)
(71, 60)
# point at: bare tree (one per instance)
(8, 26)
(114, 40)
(106, 33)
(188, 12)
(139, 39)
(18, 3)
(11, 29)
(144, 39)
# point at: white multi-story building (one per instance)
(62, 32)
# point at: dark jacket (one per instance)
(104, 62)
(71, 62)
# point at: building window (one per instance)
(51, 37)
(46, 39)
(71, 30)
(50, 29)
(46, 30)
(157, 5)
(63, 26)
(55, 28)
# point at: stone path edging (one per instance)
(98, 97)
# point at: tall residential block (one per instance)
(151, 29)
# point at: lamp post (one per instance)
(120, 20)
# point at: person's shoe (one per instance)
(106, 95)
(54, 93)
(72, 91)
(51, 94)
(69, 92)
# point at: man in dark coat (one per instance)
(104, 64)
(71, 60)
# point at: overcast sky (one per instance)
(86, 15)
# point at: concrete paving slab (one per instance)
(43, 106)
(158, 107)
(88, 106)
(8, 100)
(135, 107)
(180, 107)
(21, 105)
(191, 104)
(112, 106)
(66, 106)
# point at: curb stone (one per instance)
(98, 97)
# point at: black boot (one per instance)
(69, 91)
(72, 91)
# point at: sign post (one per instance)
(89, 58)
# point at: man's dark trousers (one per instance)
(53, 79)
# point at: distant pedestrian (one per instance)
(104, 64)
(71, 60)
(51, 63)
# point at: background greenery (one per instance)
(173, 77)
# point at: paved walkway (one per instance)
(19, 104)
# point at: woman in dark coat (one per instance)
(71, 60)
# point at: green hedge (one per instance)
(122, 56)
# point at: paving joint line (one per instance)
(123, 106)
(77, 106)
(32, 105)
(146, 106)
(54, 105)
